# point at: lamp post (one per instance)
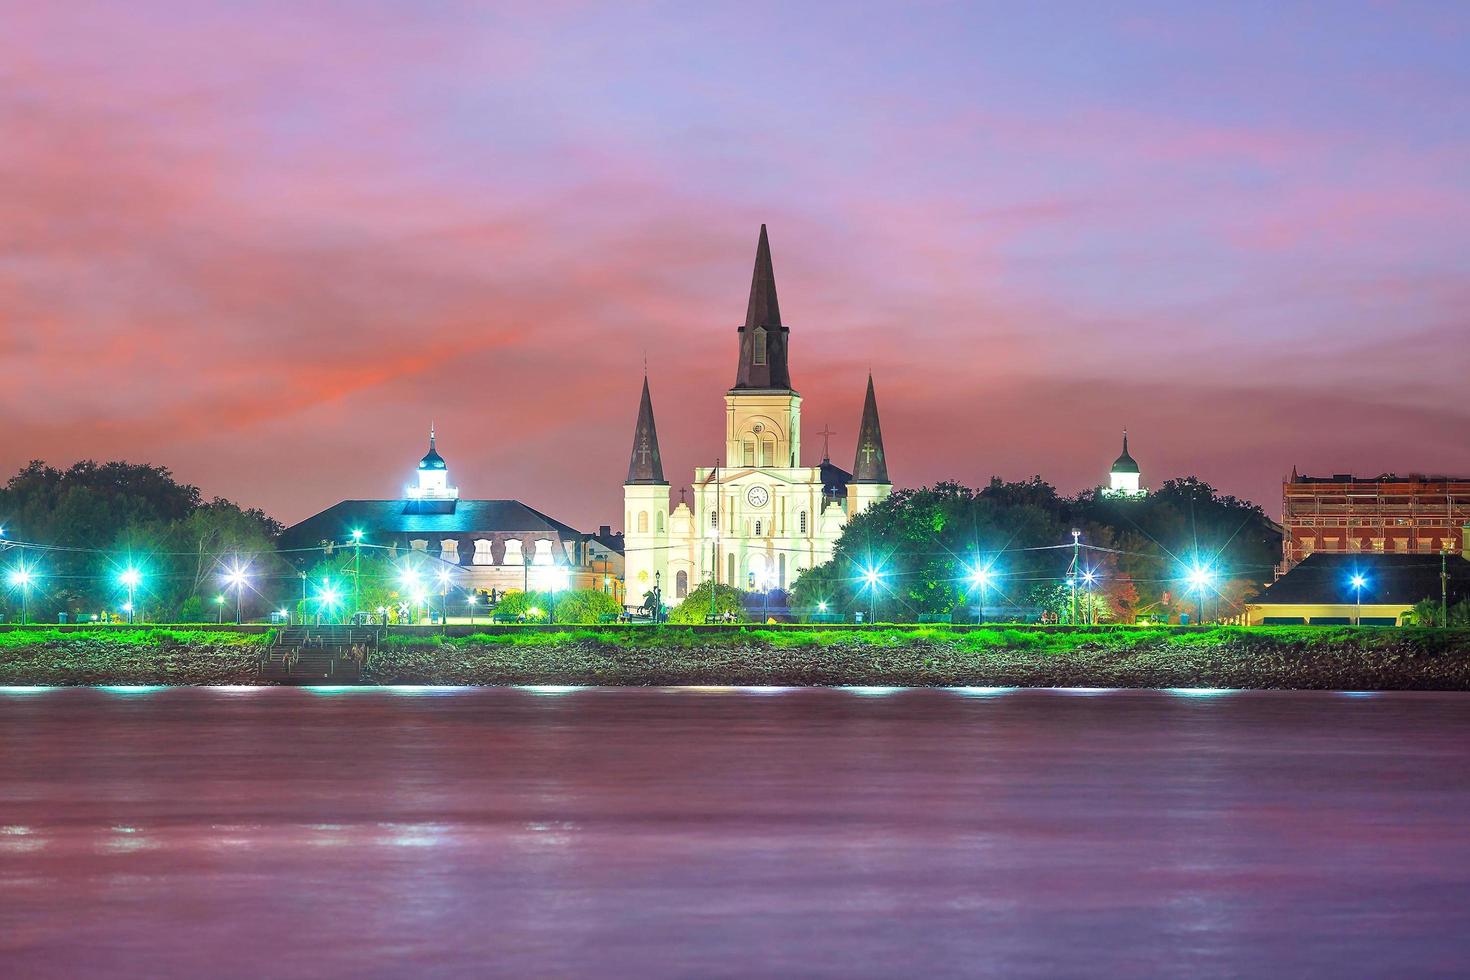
(131, 577)
(470, 601)
(1199, 578)
(21, 578)
(1076, 567)
(871, 578)
(219, 610)
(980, 576)
(1358, 582)
(444, 598)
(356, 570)
(236, 577)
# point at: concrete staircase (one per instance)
(311, 654)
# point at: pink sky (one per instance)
(264, 247)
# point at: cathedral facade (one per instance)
(757, 517)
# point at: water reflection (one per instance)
(733, 831)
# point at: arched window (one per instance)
(768, 452)
(643, 522)
(748, 452)
(730, 568)
(681, 585)
(759, 346)
(757, 528)
(714, 518)
(802, 521)
(660, 516)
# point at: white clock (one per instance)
(757, 496)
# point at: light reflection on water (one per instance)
(736, 831)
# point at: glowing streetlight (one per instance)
(327, 598)
(872, 577)
(219, 609)
(470, 601)
(444, 577)
(21, 578)
(1200, 577)
(237, 578)
(1358, 581)
(130, 577)
(559, 579)
(980, 577)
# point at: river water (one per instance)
(724, 832)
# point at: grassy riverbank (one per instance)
(1232, 657)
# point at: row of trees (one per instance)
(921, 546)
(98, 520)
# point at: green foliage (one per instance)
(514, 605)
(164, 528)
(696, 605)
(585, 606)
(1426, 612)
(924, 541)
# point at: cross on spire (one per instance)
(826, 435)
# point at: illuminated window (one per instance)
(760, 345)
(483, 554)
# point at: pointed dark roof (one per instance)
(432, 460)
(763, 309)
(763, 336)
(645, 465)
(1125, 463)
(871, 466)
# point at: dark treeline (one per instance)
(923, 543)
(95, 520)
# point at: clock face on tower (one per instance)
(757, 496)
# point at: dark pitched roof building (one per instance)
(1321, 587)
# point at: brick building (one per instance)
(1413, 514)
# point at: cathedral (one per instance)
(758, 517)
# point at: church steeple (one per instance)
(871, 466)
(763, 337)
(645, 466)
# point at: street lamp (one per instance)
(1358, 581)
(444, 597)
(470, 601)
(21, 578)
(356, 570)
(872, 576)
(219, 609)
(130, 577)
(1200, 577)
(558, 578)
(1090, 612)
(238, 577)
(327, 598)
(980, 579)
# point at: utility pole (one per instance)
(714, 579)
(1076, 569)
(1444, 589)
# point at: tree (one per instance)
(696, 605)
(93, 520)
(922, 546)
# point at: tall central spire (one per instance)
(763, 336)
(763, 309)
